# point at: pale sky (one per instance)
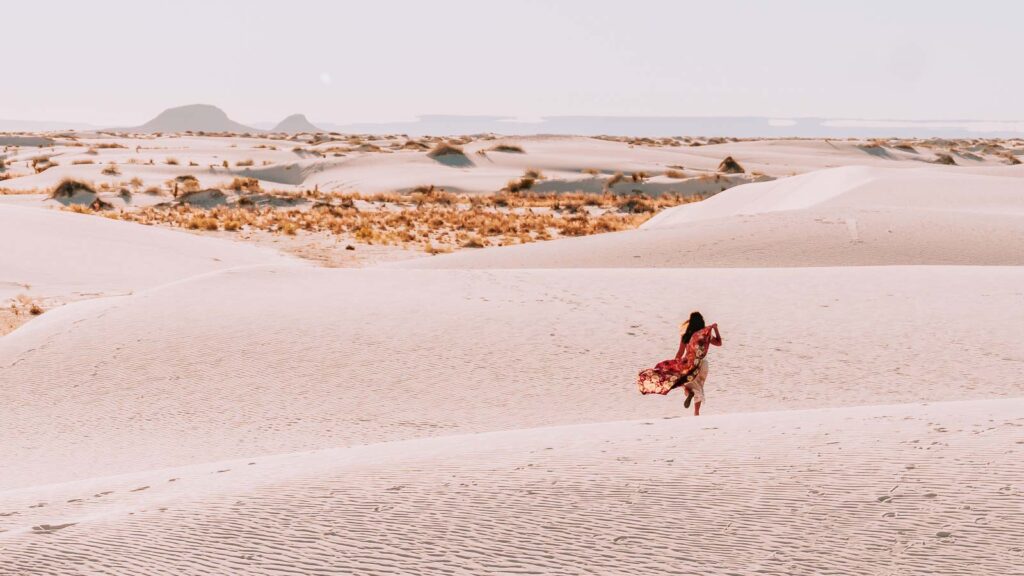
(122, 62)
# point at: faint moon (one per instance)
(325, 78)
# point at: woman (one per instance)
(689, 368)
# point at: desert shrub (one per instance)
(637, 205)
(171, 161)
(188, 182)
(445, 149)
(244, 185)
(246, 162)
(730, 166)
(613, 180)
(943, 158)
(509, 148)
(84, 161)
(111, 170)
(677, 174)
(68, 187)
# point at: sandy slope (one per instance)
(53, 257)
(64, 252)
(269, 360)
(910, 489)
(838, 217)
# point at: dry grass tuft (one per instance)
(111, 170)
(445, 149)
(243, 163)
(509, 148)
(170, 161)
(245, 185)
(943, 158)
(613, 180)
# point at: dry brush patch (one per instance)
(434, 220)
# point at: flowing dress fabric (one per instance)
(684, 369)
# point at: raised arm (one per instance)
(716, 337)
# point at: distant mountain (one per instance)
(195, 117)
(296, 123)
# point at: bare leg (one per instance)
(689, 397)
(696, 408)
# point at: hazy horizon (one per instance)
(397, 61)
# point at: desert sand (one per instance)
(194, 403)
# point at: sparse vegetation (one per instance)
(111, 170)
(431, 219)
(171, 161)
(244, 163)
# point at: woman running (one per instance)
(689, 369)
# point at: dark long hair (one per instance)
(696, 324)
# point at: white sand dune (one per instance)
(267, 360)
(51, 258)
(910, 489)
(53, 252)
(850, 216)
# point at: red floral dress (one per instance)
(681, 369)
